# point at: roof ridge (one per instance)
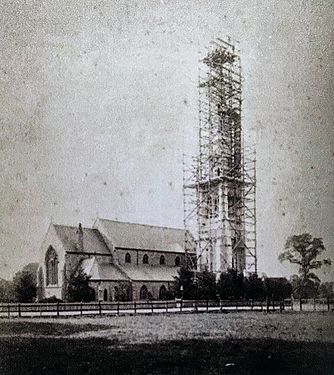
(72, 226)
(144, 225)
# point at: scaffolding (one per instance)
(219, 184)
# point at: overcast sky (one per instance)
(99, 101)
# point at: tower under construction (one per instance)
(220, 182)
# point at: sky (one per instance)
(99, 101)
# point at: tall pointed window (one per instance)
(162, 260)
(51, 265)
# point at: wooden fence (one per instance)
(152, 307)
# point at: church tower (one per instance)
(219, 187)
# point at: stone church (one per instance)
(139, 259)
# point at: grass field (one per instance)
(236, 343)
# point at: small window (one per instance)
(127, 258)
(177, 261)
(162, 260)
(145, 259)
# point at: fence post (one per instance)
(8, 310)
(135, 307)
(57, 309)
(273, 304)
(267, 304)
(80, 308)
(328, 304)
(252, 304)
(152, 307)
(100, 308)
(207, 305)
(118, 308)
(19, 310)
(167, 306)
(300, 304)
(181, 305)
(314, 305)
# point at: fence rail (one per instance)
(151, 307)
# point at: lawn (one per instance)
(235, 343)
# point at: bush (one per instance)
(78, 289)
(123, 292)
(194, 285)
(52, 299)
(277, 288)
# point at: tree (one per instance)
(25, 288)
(326, 289)
(277, 288)
(206, 285)
(7, 292)
(254, 287)
(302, 288)
(183, 285)
(194, 285)
(231, 285)
(78, 289)
(304, 251)
(32, 268)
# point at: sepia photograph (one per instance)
(167, 187)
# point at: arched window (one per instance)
(143, 292)
(145, 259)
(177, 261)
(127, 258)
(105, 295)
(162, 260)
(51, 265)
(162, 292)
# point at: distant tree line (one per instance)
(235, 286)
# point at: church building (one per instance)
(138, 260)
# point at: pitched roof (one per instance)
(150, 273)
(106, 271)
(142, 236)
(102, 271)
(93, 241)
